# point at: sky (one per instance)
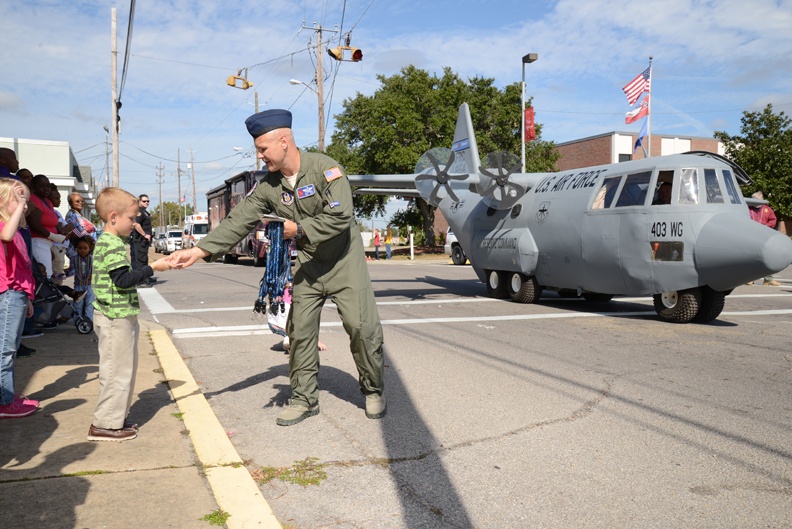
(712, 60)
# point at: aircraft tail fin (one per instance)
(465, 147)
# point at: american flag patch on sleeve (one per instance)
(332, 174)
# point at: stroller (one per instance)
(52, 299)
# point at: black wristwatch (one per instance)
(299, 232)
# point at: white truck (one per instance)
(195, 228)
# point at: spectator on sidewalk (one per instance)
(115, 319)
(377, 241)
(141, 237)
(82, 267)
(388, 241)
(82, 226)
(764, 214)
(17, 290)
(59, 249)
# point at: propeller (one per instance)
(432, 181)
(496, 189)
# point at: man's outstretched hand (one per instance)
(185, 258)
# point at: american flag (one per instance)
(639, 85)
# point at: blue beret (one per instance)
(263, 122)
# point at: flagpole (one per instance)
(649, 111)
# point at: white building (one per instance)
(56, 160)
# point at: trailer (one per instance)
(222, 199)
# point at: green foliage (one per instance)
(216, 517)
(171, 210)
(764, 150)
(304, 473)
(413, 112)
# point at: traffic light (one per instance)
(232, 81)
(338, 53)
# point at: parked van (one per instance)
(196, 227)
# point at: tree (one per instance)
(171, 210)
(412, 112)
(764, 150)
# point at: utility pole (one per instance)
(178, 178)
(320, 81)
(320, 89)
(161, 205)
(192, 168)
(255, 155)
(114, 66)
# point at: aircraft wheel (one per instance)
(712, 303)
(523, 289)
(229, 258)
(597, 298)
(258, 262)
(458, 255)
(678, 306)
(496, 284)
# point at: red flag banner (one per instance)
(530, 130)
(638, 112)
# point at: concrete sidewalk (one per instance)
(52, 477)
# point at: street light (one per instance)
(321, 110)
(531, 57)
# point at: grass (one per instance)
(306, 472)
(216, 517)
(179, 416)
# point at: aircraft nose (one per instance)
(732, 250)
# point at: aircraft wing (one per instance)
(397, 181)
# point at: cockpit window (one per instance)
(711, 185)
(688, 186)
(728, 180)
(634, 191)
(606, 193)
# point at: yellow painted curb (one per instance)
(234, 489)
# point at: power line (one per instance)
(127, 48)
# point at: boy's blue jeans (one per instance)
(13, 307)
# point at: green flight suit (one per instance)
(330, 263)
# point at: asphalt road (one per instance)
(559, 414)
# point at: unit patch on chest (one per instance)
(306, 191)
(287, 198)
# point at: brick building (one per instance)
(613, 147)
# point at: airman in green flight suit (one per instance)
(311, 191)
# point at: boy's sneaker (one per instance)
(32, 334)
(16, 410)
(105, 434)
(24, 351)
(26, 401)
(376, 406)
(294, 413)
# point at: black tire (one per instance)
(84, 326)
(458, 255)
(259, 262)
(523, 289)
(594, 297)
(568, 293)
(229, 258)
(496, 284)
(712, 303)
(678, 306)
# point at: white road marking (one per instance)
(245, 330)
(158, 305)
(154, 301)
